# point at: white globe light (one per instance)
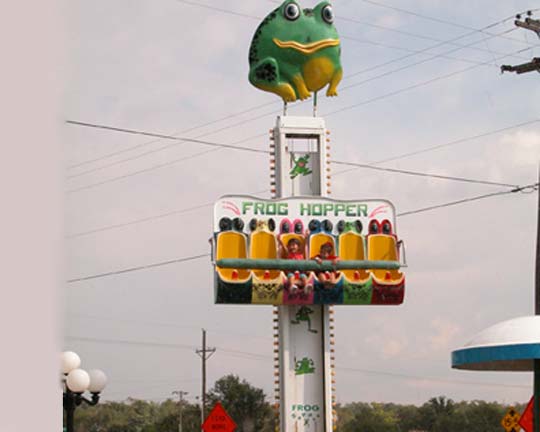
(70, 361)
(98, 380)
(78, 380)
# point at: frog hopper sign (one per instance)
(296, 51)
(306, 251)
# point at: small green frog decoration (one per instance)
(296, 51)
(303, 315)
(300, 166)
(304, 366)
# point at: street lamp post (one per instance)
(75, 382)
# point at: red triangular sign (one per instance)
(218, 420)
(526, 420)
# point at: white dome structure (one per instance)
(507, 346)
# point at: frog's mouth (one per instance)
(309, 48)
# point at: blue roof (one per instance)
(507, 346)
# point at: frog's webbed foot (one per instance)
(303, 92)
(331, 92)
(265, 75)
(286, 92)
(336, 78)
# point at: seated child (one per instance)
(327, 253)
(296, 279)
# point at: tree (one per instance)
(435, 414)
(244, 403)
(247, 406)
(365, 417)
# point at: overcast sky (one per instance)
(170, 66)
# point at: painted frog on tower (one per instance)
(295, 52)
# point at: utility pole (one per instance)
(536, 380)
(534, 65)
(181, 395)
(204, 354)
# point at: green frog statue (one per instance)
(296, 51)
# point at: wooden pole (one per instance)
(203, 354)
(536, 407)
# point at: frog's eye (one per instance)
(291, 11)
(327, 14)
(386, 227)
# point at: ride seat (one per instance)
(351, 247)
(232, 244)
(383, 247)
(263, 245)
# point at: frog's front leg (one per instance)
(265, 75)
(303, 92)
(336, 78)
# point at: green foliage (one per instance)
(137, 416)
(365, 417)
(439, 414)
(244, 403)
(252, 413)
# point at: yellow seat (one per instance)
(232, 244)
(383, 247)
(263, 245)
(351, 247)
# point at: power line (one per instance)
(459, 141)
(233, 353)
(424, 378)
(179, 141)
(409, 50)
(438, 20)
(530, 187)
(436, 56)
(421, 174)
(267, 152)
(163, 136)
(142, 171)
(370, 165)
(169, 324)
(116, 153)
(416, 35)
(232, 146)
(137, 221)
(412, 87)
(441, 21)
(226, 11)
(168, 163)
(259, 106)
(183, 140)
(262, 357)
(368, 24)
(143, 267)
(149, 218)
(430, 38)
(448, 144)
(442, 55)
